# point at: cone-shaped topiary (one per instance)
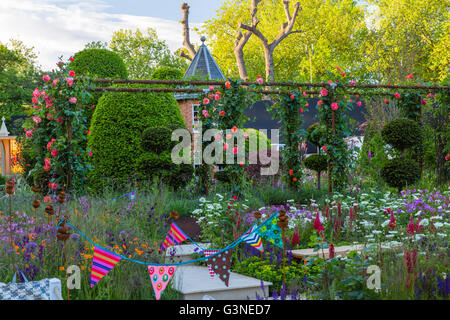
(116, 131)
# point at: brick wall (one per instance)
(186, 111)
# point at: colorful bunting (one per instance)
(131, 195)
(253, 239)
(175, 235)
(270, 230)
(207, 254)
(102, 263)
(221, 264)
(160, 277)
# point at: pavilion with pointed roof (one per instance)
(202, 65)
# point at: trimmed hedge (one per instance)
(98, 63)
(399, 173)
(402, 133)
(167, 73)
(117, 127)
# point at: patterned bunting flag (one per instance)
(221, 264)
(160, 277)
(102, 263)
(253, 239)
(207, 254)
(174, 236)
(270, 230)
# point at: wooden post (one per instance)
(69, 169)
(283, 223)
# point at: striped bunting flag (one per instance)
(207, 254)
(253, 239)
(174, 236)
(102, 263)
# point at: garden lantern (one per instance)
(8, 152)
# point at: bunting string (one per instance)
(254, 228)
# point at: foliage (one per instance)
(402, 133)
(116, 129)
(58, 131)
(289, 111)
(399, 173)
(167, 73)
(143, 53)
(315, 133)
(99, 63)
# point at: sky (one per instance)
(63, 27)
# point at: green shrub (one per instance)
(402, 133)
(316, 162)
(117, 126)
(315, 133)
(167, 73)
(157, 139)
(399, 173)
(98, 63)
(256, 134)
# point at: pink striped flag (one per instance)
(102, 263)
(174, 236)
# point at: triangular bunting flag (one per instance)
(102, 263)
(160, 277)
(207, 254)
(253, 239)
(270, 230)
(174, 236)
(221, 264)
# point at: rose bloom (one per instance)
(222, 113)
(228, 84)
(409, 76)
(47, 199)
(259, 81)
(54, 152)
(46, 78)
(73, 100)
(29, 133)
(359, 103)
(37, 120)
(386, 101)
(49, 116)
(324, 92)
(69, 81)
(54, 82)
(49, 145)
(234, 129)
(334, 106)
(90, 153)
(71, 73)
(217, 97)
(235, 150)
(225, 146)
(397, 95)
(71, 59)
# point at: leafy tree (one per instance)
(142, 53)
(330, 37)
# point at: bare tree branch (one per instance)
(184, 55)
(185, 22)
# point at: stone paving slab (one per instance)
(194, 282)
(183, 252)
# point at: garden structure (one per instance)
(251, 240)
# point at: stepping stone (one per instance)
(194, 282)
(183, 252)
(338, 251)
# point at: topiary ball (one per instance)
(402, 133)
(399, 173)
(316, 162)
(116, 130)
(314, 133)
(100, 63)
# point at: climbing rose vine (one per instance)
(57, 129)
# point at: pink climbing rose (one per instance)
(324, 92)
(54, 152)
(46, 78)
(73, 100)
(334, 106)
(397, 95)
